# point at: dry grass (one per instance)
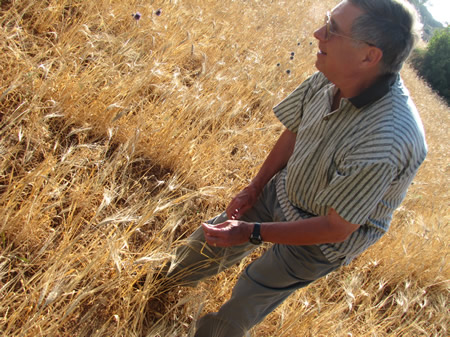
(117, 137)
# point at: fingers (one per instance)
(235, 214)
(215, 231)
(242, 202)
(213, 234)
(237, 207)
(229, 233)
(232, 209)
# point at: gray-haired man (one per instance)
(327, 191)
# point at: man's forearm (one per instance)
(276, 160)
(311, 231)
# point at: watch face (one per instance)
(255, 237)
(256, 240)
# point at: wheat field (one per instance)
(124, 124)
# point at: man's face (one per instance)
(338, 57)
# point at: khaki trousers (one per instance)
(264, 284)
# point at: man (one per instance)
(326, 192)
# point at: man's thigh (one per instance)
(267, 208)
(284, 267)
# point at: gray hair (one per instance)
(390, 25)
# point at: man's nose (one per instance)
(320, 34)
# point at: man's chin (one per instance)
(318, 65)
(322, 69)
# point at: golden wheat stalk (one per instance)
(119, 136)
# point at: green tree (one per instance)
(433, 64)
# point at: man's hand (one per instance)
(242, 202)
(227, 234)
(275, 161)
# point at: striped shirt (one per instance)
(359, 159)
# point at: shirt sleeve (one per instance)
(290, 110)
(356, 189)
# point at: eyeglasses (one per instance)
(329, 31)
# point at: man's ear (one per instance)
(373, 56)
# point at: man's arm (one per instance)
(275, 161)
(317, 230)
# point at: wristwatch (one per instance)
(255, 237)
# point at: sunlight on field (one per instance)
(120, 133)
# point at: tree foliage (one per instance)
(433, 64)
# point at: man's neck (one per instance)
(350, 90)
(356, 83)
(365, 93)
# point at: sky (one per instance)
(440, 9)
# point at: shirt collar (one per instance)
(377, 90)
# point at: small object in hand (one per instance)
(233, 217)
(136, 16)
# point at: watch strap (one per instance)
(255, 237)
